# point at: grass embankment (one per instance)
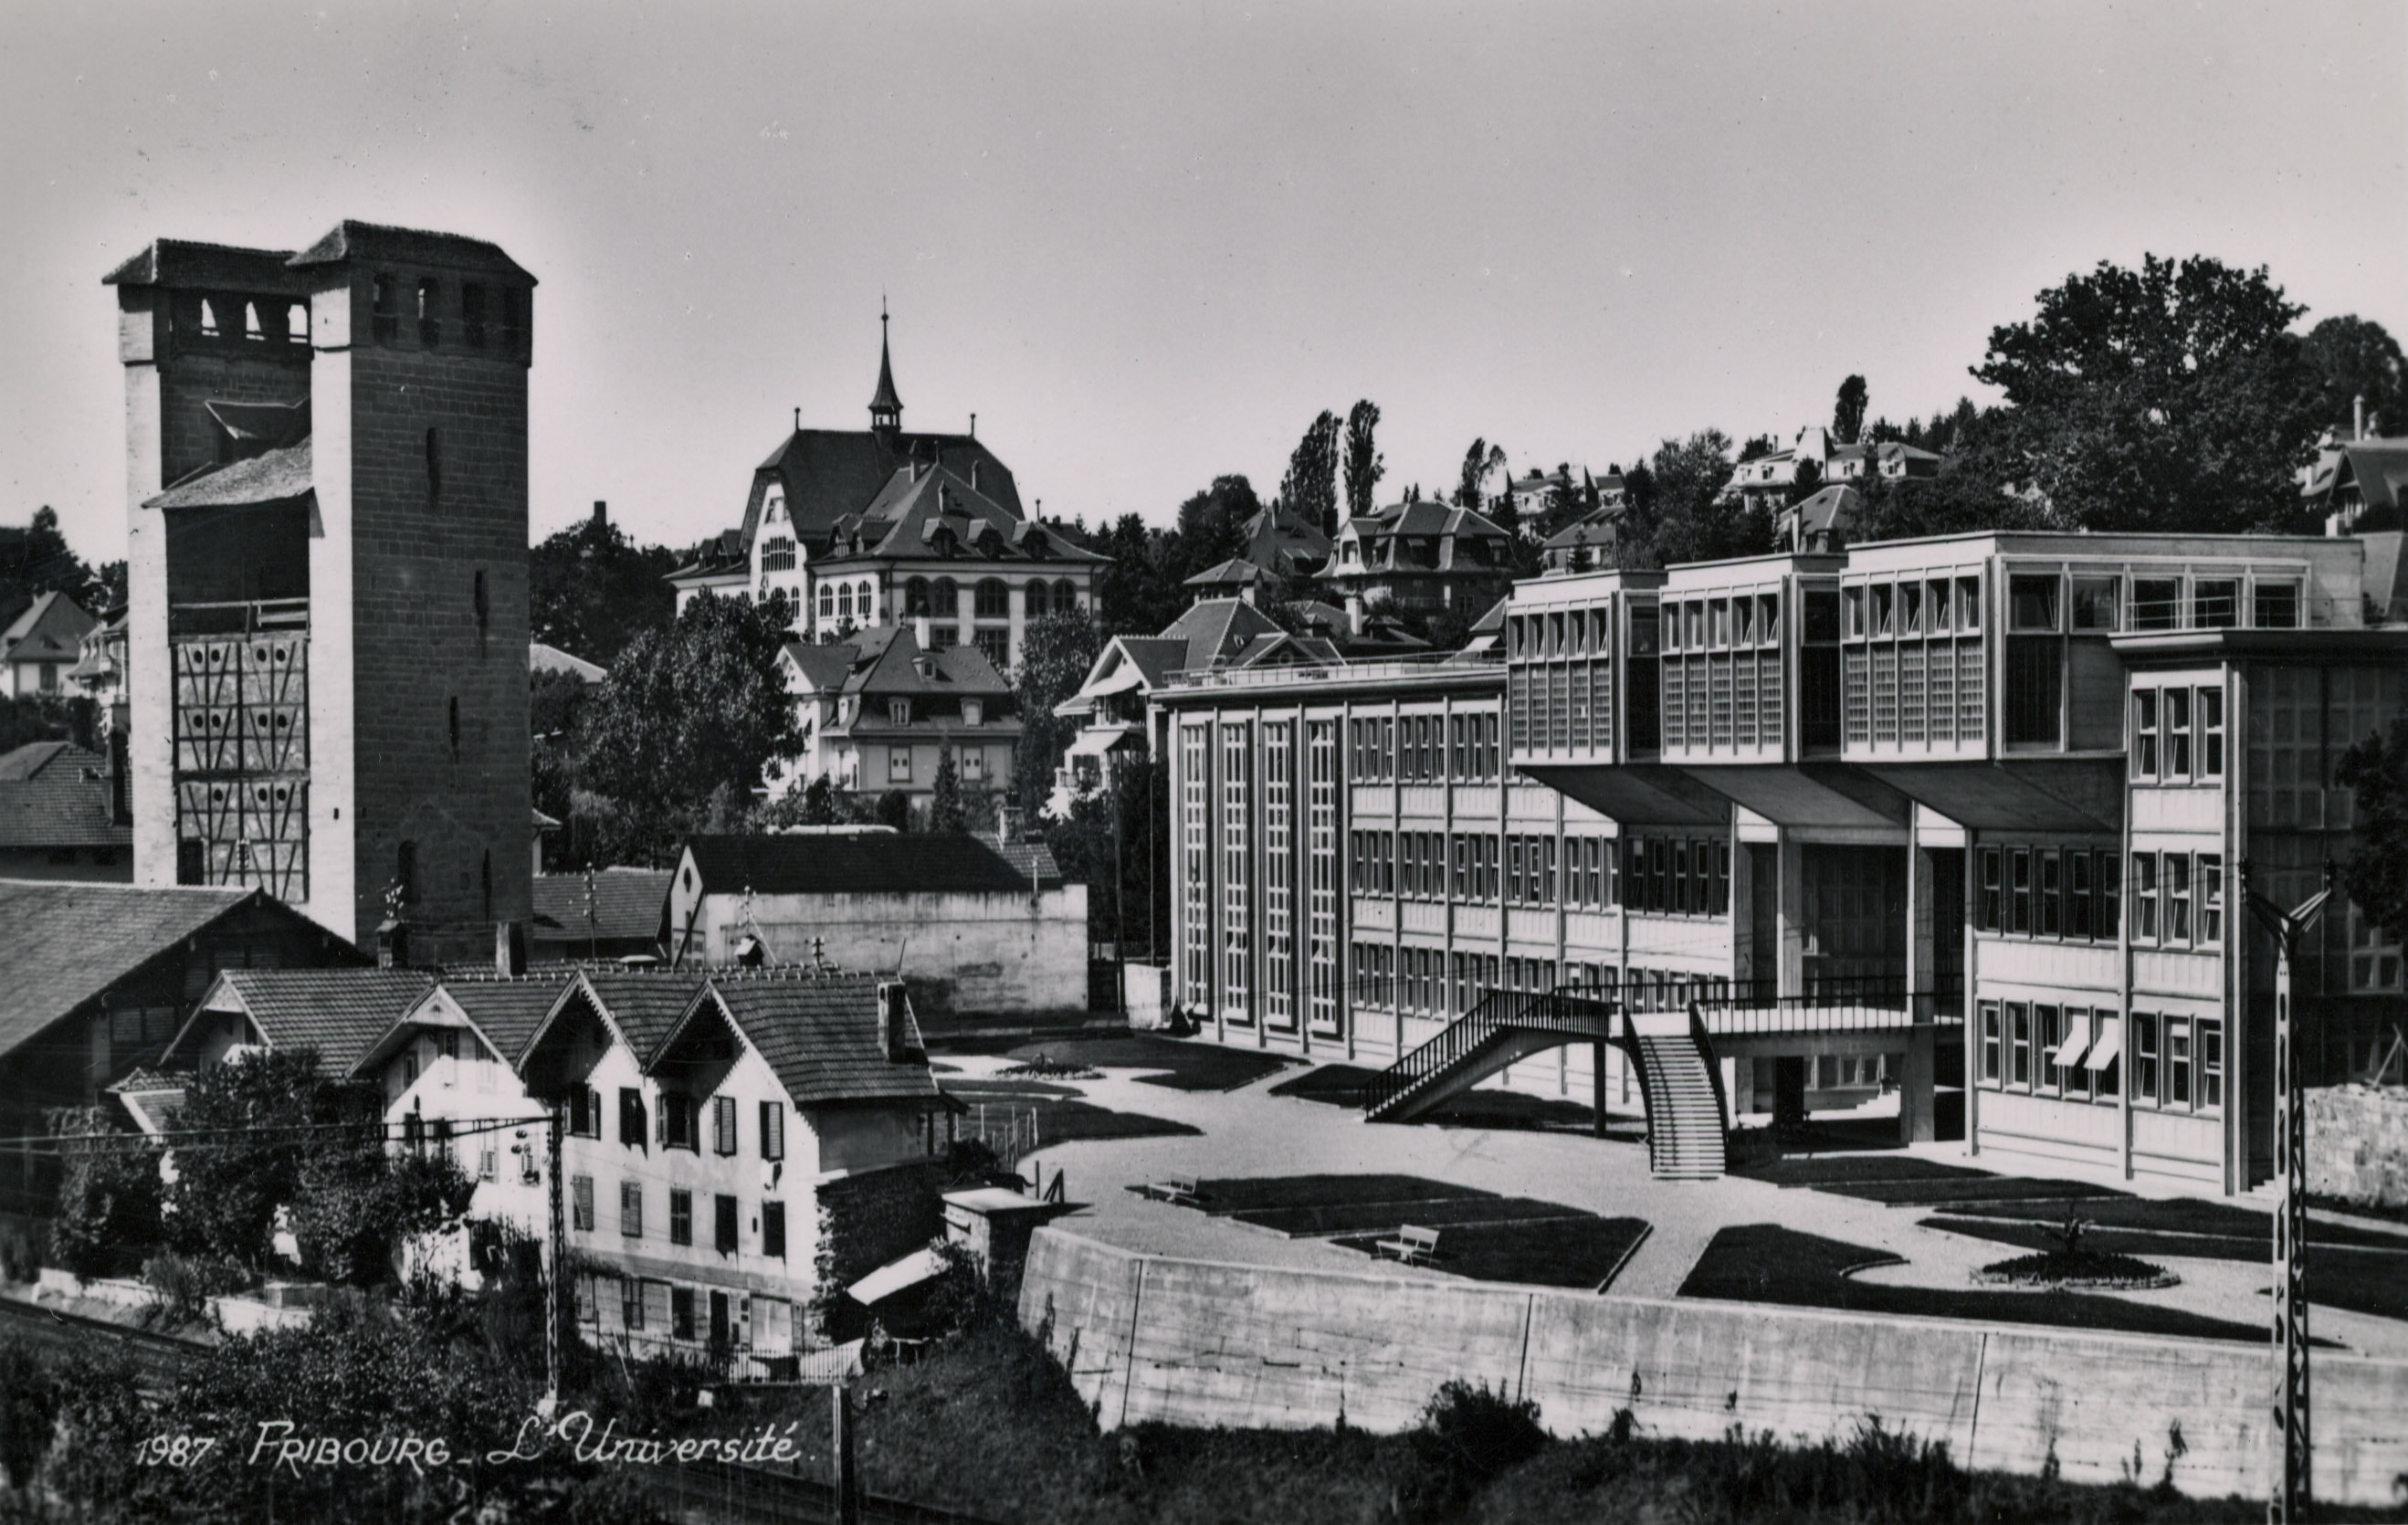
(989, 1425)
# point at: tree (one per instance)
(1364, 465)
(945, 797)
(2355, 358)
(2375, 770)
(1309, 489)
(695, 709)
(250, 1114)
(109, 1197)
(1686, 518)
(1805, 481)
(37, 561)
(1848, 411)
(1481, 461)
(589, 590)
(1056, 652)
(2168, 397)
(893, 809)
(819, 802)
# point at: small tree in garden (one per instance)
(945, 804)
(109, 1199)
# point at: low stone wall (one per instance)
(1196, 1342)
(2357, 1145)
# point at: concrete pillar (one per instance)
(1596, 1086)
(1789, 908)
(1914, 1110)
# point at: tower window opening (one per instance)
(251, 329)
(434, 467)
(384, 320)
(296, 323)
(430, 324)
(209, 319)
(472, 314)
(455, 727)
(514, 324)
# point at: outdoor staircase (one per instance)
(1509, 1024)
(1684, 1104)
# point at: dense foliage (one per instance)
(2375, 770)
(1056, 652)
(591, 590)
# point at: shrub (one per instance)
(109, 1199)
(1468, 1435)
(184, 1284)
(29, 1410)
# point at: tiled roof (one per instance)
(353, 241)
(55, 794)
(828, 473)
(643, 1005)
(1599, 528)
(271, 476)
(1831, 508)
(50, 629)
(67, 942)
(543, 658)
(1215, 629)
(1026, 857)
(926, 863)
(820, 1034)
(508, 1011)
(626, 903)
(1235, 572)
(936, 512)
(881, 661)
(182, 262)
(340, 1013)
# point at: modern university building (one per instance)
(1964, 817)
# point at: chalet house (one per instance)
(878, 710)
(973, 931)
(95, 979)
(1764, 481)
(611, 912)
(877, 528)
(339, 1012)
(1418, 555)
(41, 645)
(63, 815)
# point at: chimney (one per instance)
(393, 945)
(601, 514)
(894, 1022)
(973, 425)
(2357, 416)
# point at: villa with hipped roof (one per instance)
(877, 712)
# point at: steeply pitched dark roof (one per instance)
(508, 1011)
(885, 399)
(64, 944)
(820, 1034)
(882, 660)
(828, 473)
(908, 863)
(349, 240)
(643, 1005)
(54, 793)
(340, 1013)
(50, 629)
(937, 512)
(627, 903)
(270, 477)
(1214, 629)
(182, 262)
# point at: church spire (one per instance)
(886, 408)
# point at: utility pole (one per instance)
(555, 1311)
(848, 1476)
(2288, 1502)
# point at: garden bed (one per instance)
(2181, 1215)
(1764, 1262)
(1179, 1065)
(1579, 1249)
(2102, 1271)
(1364, 1217)
(1230, 1195)
(2367, 1281)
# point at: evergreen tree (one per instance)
(1848, 411)
(945, 811)
(1364, 465)
(1309, 489)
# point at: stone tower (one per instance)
(326, 503)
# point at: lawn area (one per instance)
(2179, 1216)
(1063, 1116)
(1184, 1066)
(2361, 1281)
(1987, 1189)
(1847, 1170)
(1578, 1250)
(1338, 1084)
(1365, 1217)
(1763, 1262)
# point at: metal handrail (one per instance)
(1552, 1010)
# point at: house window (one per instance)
(430, 321)
(472, 314)
(773, 1130)
(723, 1224)
(723, 1125)
(681, 1312)
(581, 1203)
(2019, 1035)
(2077, 874)
(2216, 605)
(2145, 1054)
(898, 765)
(778, 554)
(945, 598)
(2177, 882)
(773, 1229)
(1987, 912)
(2210, 1037)
(1991, 1041)
(993, 599)
(2177, 720)
(2144, 733)
(2111, 896)
(2020, 864)
(2211, 899)
(2144, 896)
(973, 766)
(2046, 1033)
(384, 321)
(915, 598)
(631, 1209)
(2177, 1061)
(631, 1303)
(681, 1217)
(995, 645)
(584, 1113)
(2277, 606)
(631, 1116)
(2211, 733)
(679, 1122)
(2051, 890)
(2156, 603)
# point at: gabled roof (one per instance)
(626, 903)
(50, 629)
(274, 476)
(1829, 508)
(935, 511)
(55, 794)
(543, 658)
(827, 473)
(1236, 572)
(67, 942)
(1599, 528)
(909, 863)
(1275, 538)
(1027, 859)
(642, 1006)
(1213, 629)
(183, 262)
(507, 1010)
(348, 240)
(882, 661)
(2378, 468)
(340, 1013)
(820, 1034)
(1285, 650)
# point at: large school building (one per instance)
(1965, 819)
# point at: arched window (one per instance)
(1036, 595)
(430, 325)
(844, 602)
(868, 597)
(915, 598)
(1066, 596)
(778, 554)
(944, 599)
(383, 320)
(827, 600)
(994, 600)
(251, 329)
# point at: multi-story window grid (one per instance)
(1321, 856)
(1279, 874)
(1194, 830)
(1237, 877)
(2068, 893)
(1375, 969)
(1911, 659)
(1675, 876)
(2177, 1062)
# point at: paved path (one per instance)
(1251, 1132)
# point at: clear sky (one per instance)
(1146, 243)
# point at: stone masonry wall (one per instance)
(2357, 1145)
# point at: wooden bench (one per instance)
(1412, 1245)
(1175, 1189)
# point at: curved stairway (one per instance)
(1684, 1106)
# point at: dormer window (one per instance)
(973, 710)
(898, 712)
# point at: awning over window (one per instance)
(1096, 742)
(2110, 1043)
(2078, 1038)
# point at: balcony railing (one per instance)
(1388, 667)
(238, 617)
(1829, 1003)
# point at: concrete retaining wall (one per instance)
(1196, 1342)
(2357, 1145)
